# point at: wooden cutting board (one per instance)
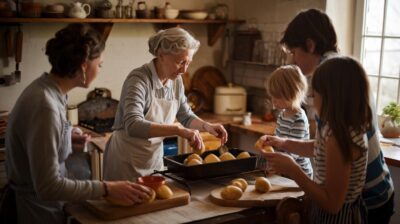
(205, 80)
(104, 210)
(251, 198)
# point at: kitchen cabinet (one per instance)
(215, 28)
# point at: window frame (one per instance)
(359, 35)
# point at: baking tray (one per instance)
(175, 165)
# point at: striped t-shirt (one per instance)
(295, 126)
(352, 210)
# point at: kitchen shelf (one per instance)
(215, 29)
(255, 63)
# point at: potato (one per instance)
(243, 155)
(211, 158)
(193, 162)
(194, 156)
(242, 183)
(226, 156)
(164, 192)
(266, 148)
(262, 185)
(231, 192)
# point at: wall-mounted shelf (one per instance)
(215, 29)
(255, 63)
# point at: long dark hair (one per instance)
(344, 89)
(72, 46)
(311, 24)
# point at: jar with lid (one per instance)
(119, 10)
(221, 11)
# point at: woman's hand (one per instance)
(281, 163)
(217, 130)
(79, 139)
(194, 138)
(273, 141)
(129, 192)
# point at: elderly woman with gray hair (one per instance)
(152, 97)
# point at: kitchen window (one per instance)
(380, 49)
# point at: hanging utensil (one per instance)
(18, 54)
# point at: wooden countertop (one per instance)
(258, 126)
(391, 150)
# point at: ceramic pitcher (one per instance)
(79, 10)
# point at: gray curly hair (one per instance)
(172, 41)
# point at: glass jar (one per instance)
(221, 11)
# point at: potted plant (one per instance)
(390, 126)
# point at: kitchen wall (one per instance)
(271, 18)
(126, 49)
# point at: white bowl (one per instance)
(171, 13)
(194, 14)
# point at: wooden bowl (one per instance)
(153, 182)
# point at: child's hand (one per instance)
(281, 163)
(273, 141)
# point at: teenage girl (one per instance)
(341, 100)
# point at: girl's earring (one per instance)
(84, 78)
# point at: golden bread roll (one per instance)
(164, 192)
(243, 155)
(262, 185)
(226, 156)
(211, 158)
(265, 148)
(231, 192)
(201, 150)
(194, 156)
(193, 162)
(152, 197)
(242, 182)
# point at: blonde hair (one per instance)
(288, 83)
(172, 41)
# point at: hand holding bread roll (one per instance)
(260, 146)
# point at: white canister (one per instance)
(72, 114)
(230, 100)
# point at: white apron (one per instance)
(127, 158)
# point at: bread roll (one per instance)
(262, 185)
(265, 148)
(242, 182)
(243, 155)
(231, 192)
(193, 162)
(164, 192)
(211, 158)
(195, 156)
(226, 156)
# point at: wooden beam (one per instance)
(215, 31)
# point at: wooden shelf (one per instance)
(215, 29)
(255, 63)
(114, 20)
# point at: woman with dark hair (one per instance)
(38, 139)
(310, 38)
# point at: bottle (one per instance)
(119, 10)
(247, 119)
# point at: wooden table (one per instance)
(391, 152)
